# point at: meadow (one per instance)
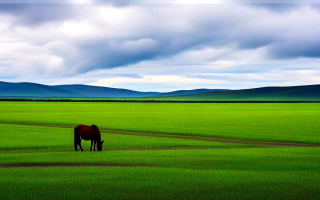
(161, 151)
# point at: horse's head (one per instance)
(99, 146)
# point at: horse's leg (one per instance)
(94, 146)
(91, 145)
(80, 145)
(75, 143)
(76, 140)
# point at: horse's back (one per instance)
(84, 131)
(78, 127)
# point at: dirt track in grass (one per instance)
(187, 136)
(73, 165)
(126, 148)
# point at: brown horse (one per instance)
(87, 133)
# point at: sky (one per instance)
(153, 45)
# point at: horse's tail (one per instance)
(76, 138)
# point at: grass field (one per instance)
(272, 122)
(161, 151)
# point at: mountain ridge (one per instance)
(302, 92)
(282, 93)
(35, 90)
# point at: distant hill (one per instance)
(34, 90)
(186, 92)
(308, 92)
(98, 92)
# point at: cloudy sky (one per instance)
(161, 45)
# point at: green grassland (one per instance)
(160, 151)
(271, 122)
(42, 137)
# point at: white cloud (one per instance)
(159, 42)
(158, 83)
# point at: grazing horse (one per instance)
(87, 133)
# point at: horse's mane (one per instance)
(96, 129)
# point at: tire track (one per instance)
(185, 136)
